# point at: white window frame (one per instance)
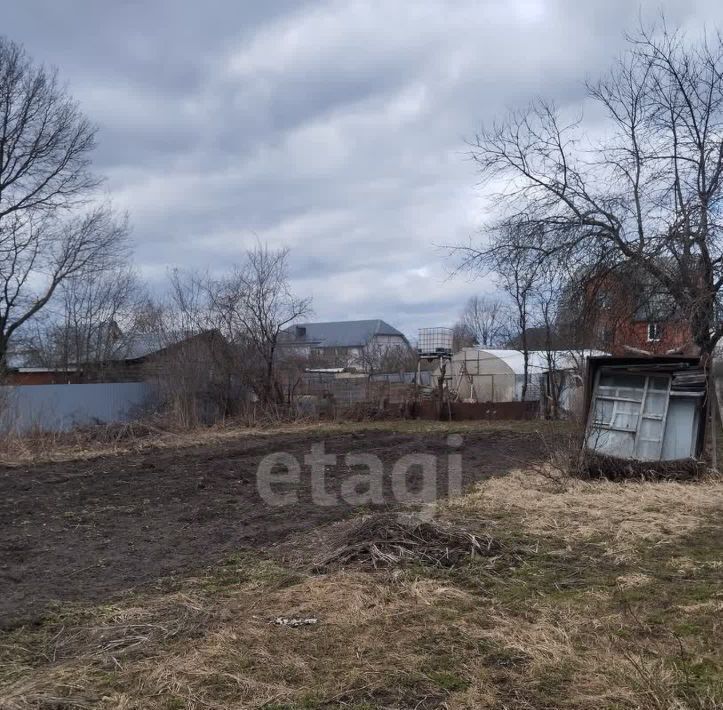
(609, 394)
(654, 332)
(612, 394)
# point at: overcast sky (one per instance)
(334, 128)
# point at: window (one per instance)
(629, 415)
(653, 332)
(603, 412)
(604, 299)
(617, 402)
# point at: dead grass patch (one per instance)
(621, 513)
(602, 595)
(365, 646)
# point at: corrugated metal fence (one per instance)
(25, 408)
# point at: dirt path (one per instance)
(87, 531)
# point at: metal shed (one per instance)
(646, 408)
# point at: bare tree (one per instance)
(462, 336)
(255, 303)
(45, 147)
(519, 276)
(546, 301)
(97, 312)
(199, 377)
(189, 304)
(520, 286)
(646, 192)
(381, 357)
(484, 318)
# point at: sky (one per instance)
(337, 129)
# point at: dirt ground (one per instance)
(89, 530)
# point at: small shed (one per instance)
(646, 408)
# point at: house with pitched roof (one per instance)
(344, 344)
(626, 309)
(133, 357)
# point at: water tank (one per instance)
(435, 342)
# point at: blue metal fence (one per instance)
(25, 408)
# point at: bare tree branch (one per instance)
(45, 178)
(648, 192)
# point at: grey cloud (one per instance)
(337, 128)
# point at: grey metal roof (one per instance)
(341, 334)
(142, 344)
(132, 346)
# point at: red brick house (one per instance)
(625, 309)
(657, 335)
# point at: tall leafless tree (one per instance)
(378, 357)
(462, 336)
(546, 302)
(255, 303)
(96, 314)
(197, 381)
(49, 230)
(518, 278)
(518, 275)
(646, 190)
(484, 318)
(188, 308)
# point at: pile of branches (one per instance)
(596, 465)
(390, 539)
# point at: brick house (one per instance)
(656, 335)
(627, 308)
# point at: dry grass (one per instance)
(623, 514)
(601, 596)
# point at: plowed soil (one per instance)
(91, 530)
